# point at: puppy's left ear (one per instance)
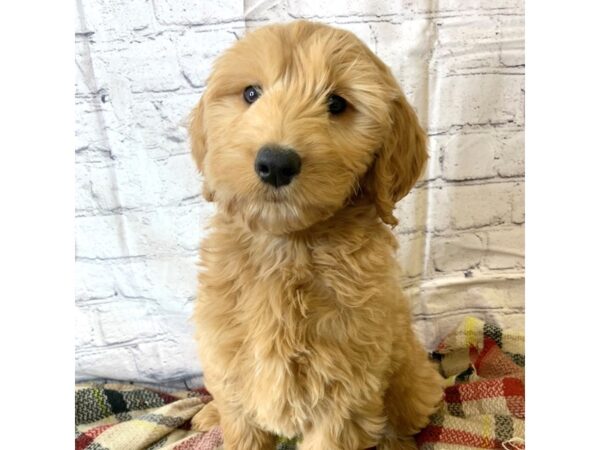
(197, 133)
(399, 162)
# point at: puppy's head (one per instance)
(297, 121)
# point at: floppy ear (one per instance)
(196, 130)
(399, 162)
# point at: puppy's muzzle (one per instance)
(277, 166)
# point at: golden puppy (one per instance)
(306, 142)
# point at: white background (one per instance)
(141, 67)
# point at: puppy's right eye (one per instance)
(336, 104)
(251, 94)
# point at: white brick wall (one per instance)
(141, 66)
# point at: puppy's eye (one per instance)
(336, 104)
(251, 94)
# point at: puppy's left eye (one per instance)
(336, 104)
(251, 94)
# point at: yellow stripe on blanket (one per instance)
(487, 426)
(473, 331)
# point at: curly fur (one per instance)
(301, 325)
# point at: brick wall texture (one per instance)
(141, 66)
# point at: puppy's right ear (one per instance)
(197, 132)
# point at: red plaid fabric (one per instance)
(484, 406)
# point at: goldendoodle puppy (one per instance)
(306, 142)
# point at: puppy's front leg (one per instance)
(343, 430)
(240, 434)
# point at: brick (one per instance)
(83, 196)
(164, 231)
(425, 208)
(476, 206)
(93, 281)
(105, 120)
(506, 248)
(439, 214)
(411, 211)
(461, 296)
(400, 43)
(435, 148)
(510, 155)
(89, 128)
(169, 359)
(347, 8)
(146, 65)
(96, 188)
(144, 162)
(511, 31)
(170, 281)
(179, 179)
(80, 26)
(190, 12)
(173, 111)
(406, 48)
(100, 237)
(117, 326)
(457, 6)
(452, 34)
(160, 125)
(113, 18)
(518, 204)
(272, 11)
(85, 83)
(106, 362)
(460, 252)
(470, 156)
(138, 183)
(477, 100)
(411, 254)
(84, 328)
(197, 51)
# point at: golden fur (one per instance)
(301, 326)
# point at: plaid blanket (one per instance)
(484, 406)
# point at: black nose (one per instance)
(276, 165)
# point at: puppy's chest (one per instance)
(288, 323)
(290, 359)
(287, 328)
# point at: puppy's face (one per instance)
(299, 119)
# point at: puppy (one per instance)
(306, 142)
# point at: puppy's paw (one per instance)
(206, 418)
